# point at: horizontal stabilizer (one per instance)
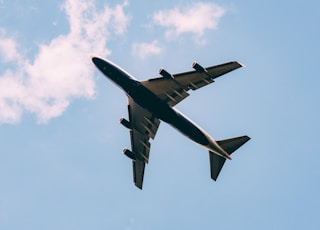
(232, 144)
(229, 145)
(216, 164)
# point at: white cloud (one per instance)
(196, 19)
(8, 48)
(144, 50)
(62, 69)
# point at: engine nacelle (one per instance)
(199, 68)
(129, 154)
(125, 123)
(165, 74)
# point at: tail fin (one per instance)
(229, 145)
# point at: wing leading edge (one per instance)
(173, 88)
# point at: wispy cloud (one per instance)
(144, 50)
(195, 19)
(61, 70)
(8, 48)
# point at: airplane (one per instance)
(152, 100)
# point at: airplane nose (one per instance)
(97, 61)
(106, 67)
(101, 64)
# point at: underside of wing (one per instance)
(143, 126)
(138, 172)
(173, 88)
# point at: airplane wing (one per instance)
(143, 126)
(173, 88)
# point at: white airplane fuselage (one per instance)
(149, 101)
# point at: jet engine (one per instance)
(165, 74)
(129, 154)
(125, 123)
(199, 68)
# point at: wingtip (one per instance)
(241, 65)
(139, 186)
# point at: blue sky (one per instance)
(61, 161)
